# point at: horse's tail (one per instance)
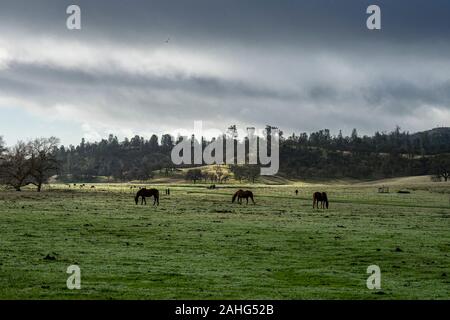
(234, 196)
(157, 196)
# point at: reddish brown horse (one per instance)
(143, 193)
(240, 194)
(322, 198)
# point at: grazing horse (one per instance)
(322, 198)
(243, 194)
(143, 193)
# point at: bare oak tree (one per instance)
(43, 162)
(28, 163)
(15, 166)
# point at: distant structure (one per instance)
(383, 189)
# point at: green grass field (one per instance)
(197, 245)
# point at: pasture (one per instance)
(198, 245)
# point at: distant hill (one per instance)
(437, 140)
(440, 131)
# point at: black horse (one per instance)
(143, 193)
(322, 198)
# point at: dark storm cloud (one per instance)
(251, 21)
(248, 61)
(400, 97)
(41, 79)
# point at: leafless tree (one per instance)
(15, 166)
(43, 162)
(29, 163)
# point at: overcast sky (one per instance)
(143, 67)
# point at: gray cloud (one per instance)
(301, 65)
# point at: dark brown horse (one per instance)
(243, 194)
(322, 198)
(143, 193)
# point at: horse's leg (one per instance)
(253, 200)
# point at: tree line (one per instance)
(316, 155)
(382, 155)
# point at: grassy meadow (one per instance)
(198, 245)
